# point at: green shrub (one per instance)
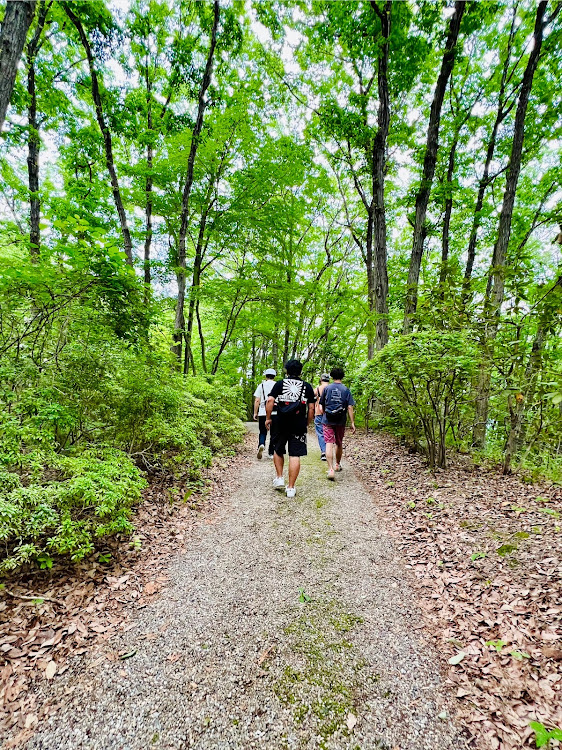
(86, 405)
(88, 497)
(422, 383)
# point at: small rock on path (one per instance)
(288, 624)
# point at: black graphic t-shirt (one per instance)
(290, 389)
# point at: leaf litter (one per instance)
(487, 563)
(51, 616)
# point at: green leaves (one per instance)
(544, 735)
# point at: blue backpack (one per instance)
(335, 403)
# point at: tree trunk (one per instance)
(504, 228)
(179, 323)
(17, 20)
(196, 277)
(379, 169)
(201, 338)
(371, 283)
(430, 160)
(33, 139)
(517, 414)
(106, 134)
(485, 180)
(148, 187)
(494, 303)
(447, 218)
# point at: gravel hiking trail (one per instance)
(288, 624)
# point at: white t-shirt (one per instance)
(262, 392)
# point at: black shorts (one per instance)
(295, 443)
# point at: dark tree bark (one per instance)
(517, 411)
(16, 23)
(502, 112)
(106, 134)
(201, 338)
(430, 160)
(148, 185)
(179, 324)
(33, 138)
(447, 217)
(514, 168)
(379, 170)
(494, 302)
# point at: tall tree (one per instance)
(33, 137)
(17, 20)
(105, 131)
(429, 162)
(494, 301)
(179, 324)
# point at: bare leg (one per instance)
(278, 462)
(294, 468)
(329, 454)
(339, 451)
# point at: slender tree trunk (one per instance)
(33, 138)
(485, 180)
(371, 283)
(512, 178)
(179, 323)
(517, 413)
(430, 160)
(379, 170)
(201, 338)
(106, 134)
(447, 218)
(196, 277)
(148, 187)
(494, 303)
(17, 20)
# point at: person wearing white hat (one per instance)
(260, 398)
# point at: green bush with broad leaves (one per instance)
(88, 407)
(420, 385)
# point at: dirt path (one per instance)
(231, 657)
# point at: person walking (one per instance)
(294, 400)
(336, 402)
(260, 398)
(324, 380)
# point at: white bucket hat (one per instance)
(270, 371)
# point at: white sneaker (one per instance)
(260, 451)
(279, 483)
(291, 492)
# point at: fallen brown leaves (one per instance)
(50, 616)
(485, 552)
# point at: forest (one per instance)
(194, 191)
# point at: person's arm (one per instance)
(311, 405)
(257, 402)
(322, 401)
(351, 413)
(311, 412)
(268, 409)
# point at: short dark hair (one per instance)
(337, 373)
(270, 377)
(293, 367)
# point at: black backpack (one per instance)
(289, 411)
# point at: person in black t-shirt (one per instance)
(294, 400)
